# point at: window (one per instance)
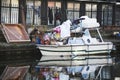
(73, 10)
(91, 10)
(117, 16)
(9, 11)
(106, 15)
(33, 12)
(54, 13)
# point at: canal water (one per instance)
(44, 72)
(34, 71)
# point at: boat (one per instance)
(89, 42)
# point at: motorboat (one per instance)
(89, 42)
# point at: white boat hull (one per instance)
(75, 49)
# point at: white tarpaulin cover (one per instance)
(64, 29)
(89, 22)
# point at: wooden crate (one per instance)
(15, 33)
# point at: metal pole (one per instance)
(100, 35)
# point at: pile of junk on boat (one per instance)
(78, 39)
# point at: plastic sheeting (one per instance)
(89, 22)
(64, 28)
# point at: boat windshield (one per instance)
(76, 34)
(94, 34)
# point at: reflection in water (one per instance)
(74, 60)
(57, 68)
